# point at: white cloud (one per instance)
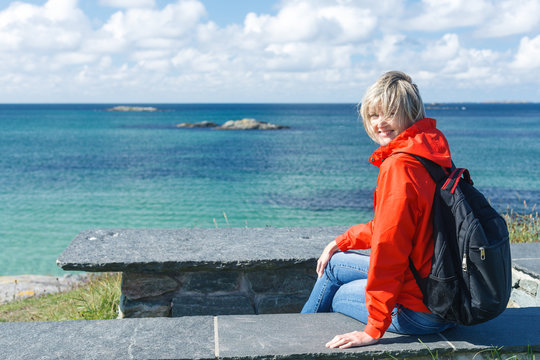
(57, 25)
(528, 55)
(303, 21)
(445, 49)
(389, 48)
(306, 57)
(71, 58)
(437, 15)
(128, 3)
(192, 60)
(512, 17)
(172, 22)
(319, 50)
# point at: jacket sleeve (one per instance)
(357, 237)
(393, 230)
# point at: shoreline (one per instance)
(18, 287)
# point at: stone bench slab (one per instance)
(282, 336)
(514, 330)
(300, 336)
(526, 258)
(296, 336)
(163, 338)
(173, 250)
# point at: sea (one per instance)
(65, 168)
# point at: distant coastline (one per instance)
(132, 108)
(507, 102)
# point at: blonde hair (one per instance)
(393, 93)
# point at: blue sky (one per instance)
(182, 51)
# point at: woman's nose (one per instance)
(382, 121)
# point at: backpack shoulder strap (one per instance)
(446, 180)
(436, 171)
(439, 175)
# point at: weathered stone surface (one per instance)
(211, 281)
(302, 336)
(275, 304)
(164, 338)
(297, 279)
(211, 305)
(250, 124)
(279, 336)
(514, 330)
(172, 250)
(521, 298)
(144, 308)
(526, 258)
(139, 285)
(529, 286)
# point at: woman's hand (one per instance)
(352, 339)
(327, 253)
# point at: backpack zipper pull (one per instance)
(482, 253)
(464, 263)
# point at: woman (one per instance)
(379, 289)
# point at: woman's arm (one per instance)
(356, 237)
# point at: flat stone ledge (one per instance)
(301, 336)
(526, 258)
(279, 336)
(173, 250)
(515, 330)
(163, 338)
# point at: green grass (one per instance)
(523, 227)
(96, 299)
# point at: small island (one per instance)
(244, 124)
(132, 108)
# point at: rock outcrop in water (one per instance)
(132, 108)
(244, 124)
(250, 124)
(202, 124)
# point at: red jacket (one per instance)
(402, 224)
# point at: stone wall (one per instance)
(264, 291)
(283, 289)
(526, 290)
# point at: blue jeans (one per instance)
(342, 289)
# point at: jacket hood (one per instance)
(423, 139)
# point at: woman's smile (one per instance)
(386, 127)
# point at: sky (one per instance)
(283, 51)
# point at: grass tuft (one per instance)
(523, 227)
(96, 299)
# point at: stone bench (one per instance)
(231, 271)
(204, 271)
(283, 336)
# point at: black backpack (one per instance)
(471, 277)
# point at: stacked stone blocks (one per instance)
(223, 292)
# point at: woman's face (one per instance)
(385, 126)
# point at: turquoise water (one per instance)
(67, 168)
